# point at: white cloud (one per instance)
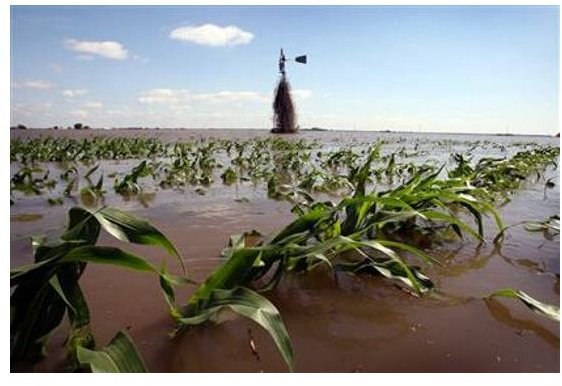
(106, 49)
(174, 97)
(230, 96)
(163, 96)
(92, 105)
(212, 35)
(32, 107)
(69, 93)
(32, 114)
(35, 84)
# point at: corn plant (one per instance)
(351, 236)
(26, 181)
(47, 290)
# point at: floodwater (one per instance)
(352, 324)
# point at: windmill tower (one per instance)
(284, 117)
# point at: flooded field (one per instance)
(337, 321)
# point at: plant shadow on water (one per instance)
(501, 313)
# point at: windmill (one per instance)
(283, 110)
(282, 59)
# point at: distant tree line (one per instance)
(77, 126)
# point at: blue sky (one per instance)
(464, 69)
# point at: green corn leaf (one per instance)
(547, 310)
(239, 240)
(392, 270)
(108, 255)
(439, 216)
(305, 222)
(55, 283)
(413, 282)
(275, 278)
(36, 310)
(475, 207)
(99, 184)
(91, 171)
(125, 227)
(117, 257)
(253, 306)
(82, 226)
(69, 187)
(167, 283)
(392, 202)
(120, 356)
(322, 258)
(413, 250)
(356, 210)
(30, 271)
(234, 272)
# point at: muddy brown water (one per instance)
(354, 324)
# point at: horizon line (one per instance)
(311, 129)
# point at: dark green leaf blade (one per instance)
(108, 255)
(234, 272)
(82, 226)
(125, 227)
(253, 306)
(120, 356)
